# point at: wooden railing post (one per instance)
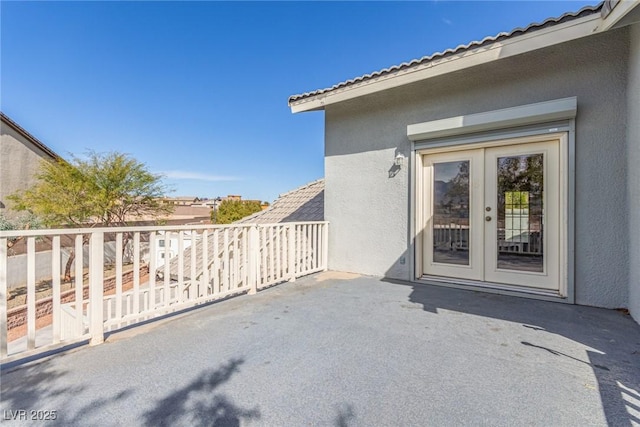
(253, 255)
(96, 287)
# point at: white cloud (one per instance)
(447, 21)
(197, 176)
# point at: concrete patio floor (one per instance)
(337, 349)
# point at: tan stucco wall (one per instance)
(19, 161)
(368, 207)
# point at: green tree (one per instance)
(106, 189)
(232, 210)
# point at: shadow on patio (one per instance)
(612, 339)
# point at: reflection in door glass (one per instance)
(520, 213)
(451, 213)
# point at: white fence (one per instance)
(221, 261)
(17, 264)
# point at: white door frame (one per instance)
(565, 140)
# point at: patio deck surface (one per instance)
(336, 349)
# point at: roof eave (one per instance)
(617, 13)
(561, 33)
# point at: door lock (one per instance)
(488, 209)
(487, 218)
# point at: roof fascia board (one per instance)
(539, 39)
(547, 111)
(614, 16)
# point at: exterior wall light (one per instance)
(399, 160)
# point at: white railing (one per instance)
(157, 270)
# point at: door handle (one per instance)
(487, 218)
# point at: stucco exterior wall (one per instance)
(19, 161)
(368, 207)
(633, 168)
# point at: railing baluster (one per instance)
(298, 240)
(285, 251)
(291, 252)
(55, 284)
(303, 249)
(318, 246)
(263, 253)
(236, 258)
(3, 297)
(193, 284)
(271, 253)
(226, 270)
(306, 247)
(312, 248)
(180, 291)
(308, 236)
(136, 272)
(245, 257)
(96, 288)
(31, 293)
(216, 262)
(204, 282)
(278, 235)
(119, 252)
(152, 268)
(167, 257)
(310, 244)
(79, 285)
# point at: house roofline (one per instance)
(567, 27)
(618, 13)
(32, 139)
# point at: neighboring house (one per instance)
(544, 119)
(167, 247)
(181, 200)
(20, 157)
(189, 215)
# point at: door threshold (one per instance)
(495, 288)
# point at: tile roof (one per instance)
(569, 16)
(305, 203)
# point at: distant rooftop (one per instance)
(305, 203)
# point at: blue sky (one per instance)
(198, 90)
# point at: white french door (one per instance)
(494, 214)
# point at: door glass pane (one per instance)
(520, 213)
(451, 213)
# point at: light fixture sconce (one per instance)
(399, 160)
